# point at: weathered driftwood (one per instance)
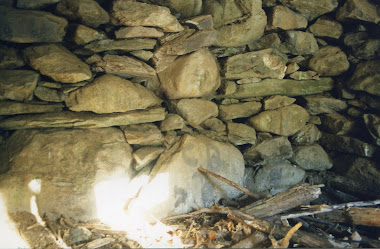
(283, 201)
(355, 216)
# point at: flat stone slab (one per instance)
(13, 107)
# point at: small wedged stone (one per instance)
(326, 27)
(9, 58)
(214, 124)
(137, 32)
(329, 61)
(18, 84)
(239, 134)
(57, 62)
(271, 40)
(275, 102)
(13, 107)
(143, 134)
(300, 43)
(281, 17)
(172, 122)
(366, 77)
(311, 9)
(320, 104)
(48, 94)
(241, 110)
(145, 155)
(304, 75)
(307, 135)
(195, 111)
(125, 45)
(83, 35)
(362, 10)
(311, 157)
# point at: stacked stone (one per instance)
(167, 96)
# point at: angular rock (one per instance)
(237, 23)
(195, 111)
(362, 10)
(241, 110)
(300, 43)
(269, 150)
(143, 55)
(311, 9)
(326, 27)
(78, 235)
(372, 122)
(347, 145)
(267, 63)
(239, 134)
(27, 26)
(143, 134)
(320, 104)
(228, 87)
(281, 17)
(18, 84)
(67, 179)
(307, 135)
(271, 40)
(193, 75)
(366, 77)
(125, 66)
(202, 22)
(137, 32)
(35, 4)
(311, 157)
(145, 155)
(9, 58)
(367, 50)
(214, 124)
(108, 94)
(57, 62)
(87, 12)
(48, 94)
(178, 186)
(126, 45)
(81, 120)
(13, 107)
(371, 100)
(304, 75)
(292, 67)
(285, 121)
(83, 35)
(185, 8)
(277, 175)
(338, 124)
(275, 102)
(329, 61)
(131, 13)
(172, 122)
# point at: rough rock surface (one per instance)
(300, 43)
(172, 122)
(372, 122)
(9, 58)
(27, 26)
(36, 4)
(311, 157)
(177, 185)
(57, 62)
(321, 104)
(326, 27)
(338, 124)
(145, 155)
(187, 8)
(281, 17)
(240, 110)
(307, 135)
(366, 77)
(285, 121)
(195, 111)
(108, 94)
(277, 101)
(83, 35)
(48, 94)
(239, 134)
(137, 32)
(125, 45)
(329, 61)
(18, 84)
(13, 107)
(309, 8)
(363, 10)
(193, 75)
(143, 134)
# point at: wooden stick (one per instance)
(289, 235)
(245, 190)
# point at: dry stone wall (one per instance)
(261, 92)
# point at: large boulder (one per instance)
(57, 62)
(366, 77)
(193, 75)
(311, 8)
(108, 94)
(26, 26)
(62, 178)
(176, 185)
(18, 84)
(329, 61)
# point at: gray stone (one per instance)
(300, 43)
(321, 104)
(277, 175)
(35, 4)
(363, 10)
(67, 179)
(87, 12)
(239, 134)
(57, 62)
(131, 13)
(145, 155)
(311, 9)
(9, 58)
(172, 122)
(108, 94)
(311, 157)
(307, 135)
(137, 32)
(13, 107)
(178, 186)
(285, 121)
(269, 150)
(214, 124)
(241, 110)
(269, 87)
(125, 66)
(48, 94)
(27, 26)
(185, 8)
(267, 63)
(237, 24)
(78, 235)
(347, 144)
(195, 111)
(304, 75)
(338, 124)
(143, 134)
(81, 119)
(366, 77)
(329, 61)
(193, 75)
(83, 35)
(271, 40)
(326, 27)
(18, 84)
(275, 102)
(372, 122)
(281, 17)
(125, 45)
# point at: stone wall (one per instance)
(261, 92)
